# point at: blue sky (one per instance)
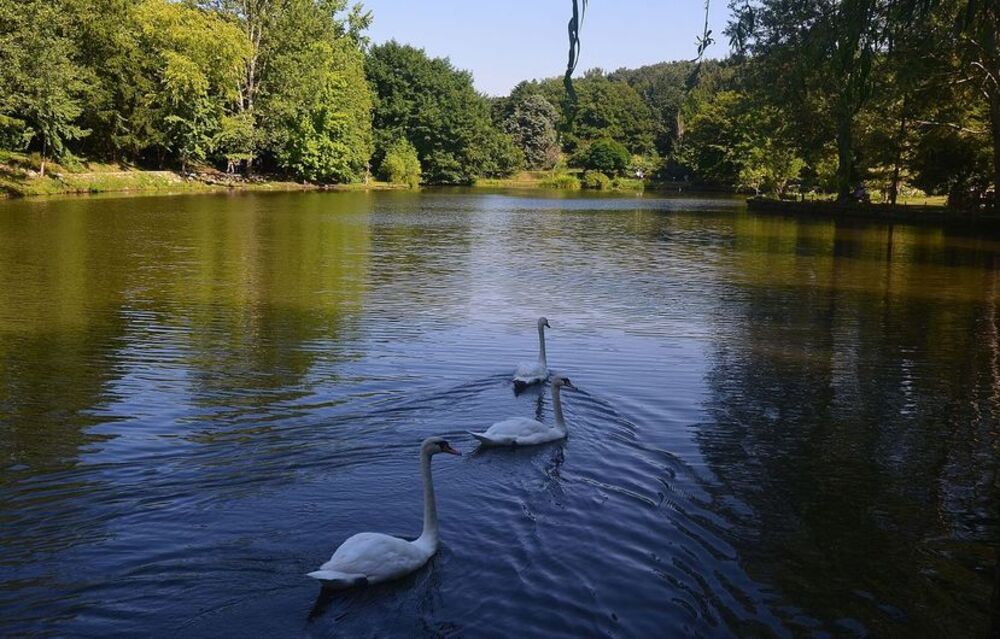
(504, 42)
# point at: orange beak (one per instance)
(451, 451)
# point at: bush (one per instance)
(606, 156)
(561, 181)
(596, 180)
(627, 184)
(401, 164)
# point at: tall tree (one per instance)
(979, 25)
(435, 106)
(817, 55)
(280, 32)
(531, 121)
(195, 58)
(40, 82)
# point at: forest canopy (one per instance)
(897, 96)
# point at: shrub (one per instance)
(627, 184)
(561, 181)
(606, 156)
(401, 164)
(596, 180)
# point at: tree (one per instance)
(730, 139)
(663, 88)
(979, 26)
(326, 136)
(285, 37)
(401, 164)
(40, 84)
(433, 105)
(531, 120)
(611, 109)
(607, 156)
(195, 59)
(816, 55)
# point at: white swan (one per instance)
(370, 558)
(521, 431)
(527, 373)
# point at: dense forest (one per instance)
(825, 96)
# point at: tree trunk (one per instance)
(995, 126)
(894, 187)
(845, 160)
(44, 149)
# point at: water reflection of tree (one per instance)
(58, 334)
(853, 410)
(419, 258)
(267, 293)
(241, 296)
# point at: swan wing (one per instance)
(515, 427)
(376, 557)
(530, 373)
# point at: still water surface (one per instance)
(784, 428)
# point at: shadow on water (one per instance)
(846, 451)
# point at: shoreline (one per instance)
(909, 214)
(16, 183)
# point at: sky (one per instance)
(508, 41)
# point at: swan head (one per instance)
(435, 445)
(562, 382)
(543, 322)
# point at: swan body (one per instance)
(369, 558)
(529, 373)
(522, 431)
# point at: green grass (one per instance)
(902, 200)
(19, 177)
(562, 180)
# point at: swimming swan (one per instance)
(370, 558)
(521, 431)
(528, 374)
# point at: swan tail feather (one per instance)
(337, 579)
(483, 439)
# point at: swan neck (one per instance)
(541, 346)
(557, 409)
(430, 532)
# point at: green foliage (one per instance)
(432, 104)
(766, 166)
(236, 139)
(664, 89)
(531, 121)
(607, 156)
(595, 180)
(955, 163)
(14, 133)
(325, 134)
(310, 100)
(160, 82)
(732, 140)
(401, 164)
(40, 84)
(613, 110)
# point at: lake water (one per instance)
(783, 428)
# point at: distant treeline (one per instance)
(819, 95)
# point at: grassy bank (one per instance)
(562, 180)
(20, 176)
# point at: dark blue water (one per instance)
(784, 427)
